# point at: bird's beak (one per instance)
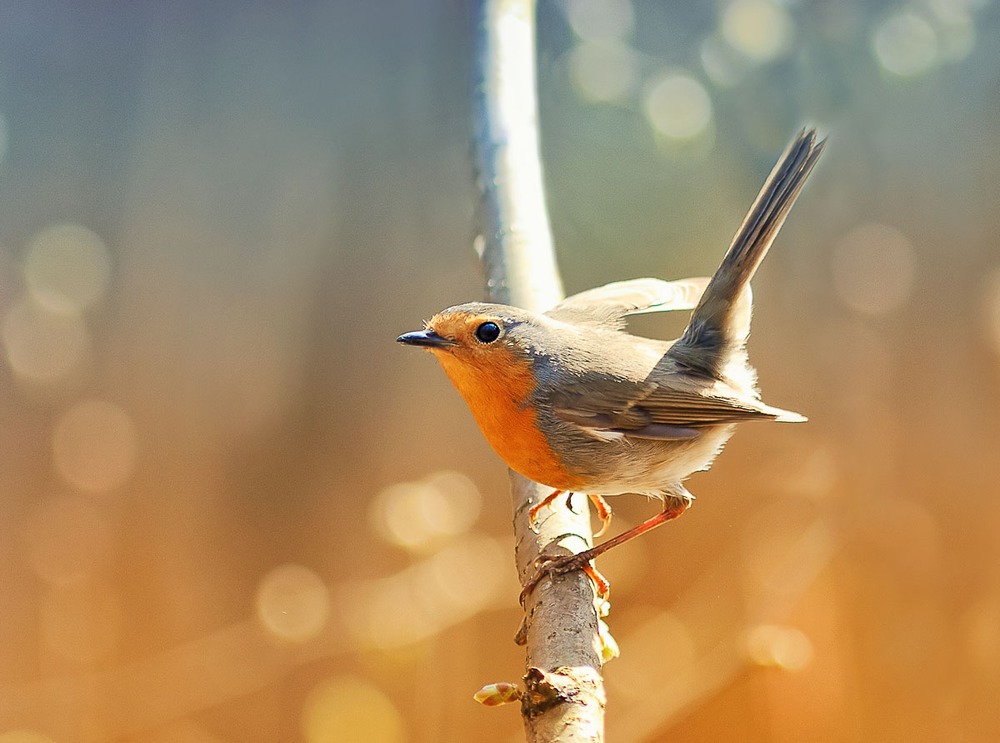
(425, 339)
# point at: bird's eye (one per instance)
(488, 332)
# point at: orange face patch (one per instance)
(496, 385)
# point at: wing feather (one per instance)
(610, 304)
(643, 410)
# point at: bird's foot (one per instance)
(553, 565)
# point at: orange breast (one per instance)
(496, 398)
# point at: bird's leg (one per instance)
(535, 509)
(673, 506)
(603, 509)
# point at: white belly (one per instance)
(649, 467)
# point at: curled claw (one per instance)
(604, 513)
(569, 502)
(536, 509)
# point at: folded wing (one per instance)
(646, 411)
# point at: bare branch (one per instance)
(564, 699)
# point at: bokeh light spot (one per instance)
(873, 269)
(905, 44)
(67, 540)
(779, 646)
(420, 515)
(81, 622)
(392, 615)
(462, 580)
(602, 72)
(678, 106)
(600, 20)
(349, 709)
(293, 603)
(955, 28)
(724, 66)
(759, 29)
(423, 600)
(94, 446)
(462, 498)
(67, 267)
(41, 345)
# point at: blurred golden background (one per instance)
(234, 510)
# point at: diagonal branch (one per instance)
(565, 699)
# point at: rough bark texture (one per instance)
(564, 699)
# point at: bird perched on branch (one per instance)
(571, 401)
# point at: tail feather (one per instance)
(720, 323)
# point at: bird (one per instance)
(571, 400)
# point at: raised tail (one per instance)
(721, 322)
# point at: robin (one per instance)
(571, 401)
